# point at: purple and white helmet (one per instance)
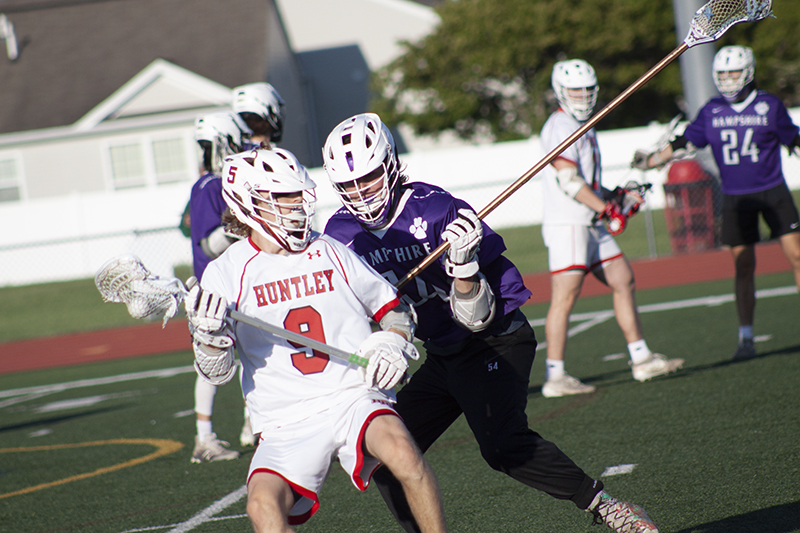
(363, 147)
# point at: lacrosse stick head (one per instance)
(712, 20)
(124, 279)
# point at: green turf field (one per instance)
(95, 448)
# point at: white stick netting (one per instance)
(714, 18)
(125, 280)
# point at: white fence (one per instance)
(69, 237)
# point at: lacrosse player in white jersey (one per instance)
(308, 408)
(576, 239)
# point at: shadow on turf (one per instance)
(608, 376)
(779, 519)
(56, 419)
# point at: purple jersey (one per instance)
(424, 212)
(746, 138)
(206, 206)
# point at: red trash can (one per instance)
(691, 209)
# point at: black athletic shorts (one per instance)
(740, 215)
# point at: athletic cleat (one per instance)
(212, 449)
(657, 365)
(564, 386)
(246, 438)
(622, 517)
(746, 350)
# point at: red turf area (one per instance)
(150, 339)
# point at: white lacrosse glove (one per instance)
(464, 235)
(213, 348)
(387, 353)
(206, 313)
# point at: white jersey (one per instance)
(327, 293)
(560, 208)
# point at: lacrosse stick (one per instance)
(710, 22)
(125, 279)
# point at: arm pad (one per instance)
(401, 318)
(569, 181)
(475, 310)
(216, 243)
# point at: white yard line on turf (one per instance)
(206, 515)
(58, 387)
(598, 317)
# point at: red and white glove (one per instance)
(614, 218)
(387, 353)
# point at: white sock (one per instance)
(555, 368)
(745, 332)
(204, 429)
(639, 352)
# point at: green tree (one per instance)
(485, 71)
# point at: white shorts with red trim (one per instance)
(574, 247)
(301, 452)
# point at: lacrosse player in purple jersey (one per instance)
(745, 128)
(480, 347)
(576, 239)
(261, 107)
(218, 135)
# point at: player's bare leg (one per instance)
(618, 275)
(744, 262)
(645, 365)
(388, 440)
(790, 243)
(565, 287)
(269, 500)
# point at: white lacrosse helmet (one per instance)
(253, 184)
(358, 147)
(262, 100)
(219, 136)
(575, 85)
(733, 59)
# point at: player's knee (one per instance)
(264, 513)
(502, 453)
(405, 460)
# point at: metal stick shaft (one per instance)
(299, 339)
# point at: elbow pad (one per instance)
(569, 181)
(216, 243)
(476, 310)
(401, 318)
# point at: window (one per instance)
(148, 162)
(170, 160)
(127, 166)
(10, 176)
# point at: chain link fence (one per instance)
(162, 250)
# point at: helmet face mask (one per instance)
(219, 135)
(270, 191)
(260, 102)
(734, 70)
(360, 158)
(575, 85)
